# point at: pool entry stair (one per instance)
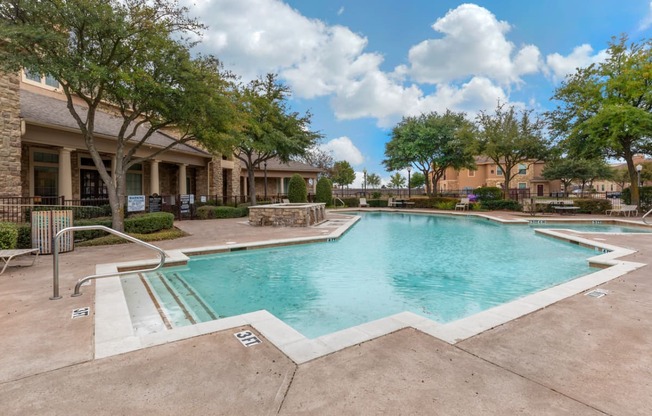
(177, 304)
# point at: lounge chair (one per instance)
(8, 255)
(363, 203)
(623, 209)
(463, 204)
(391, 202)
(286, 201)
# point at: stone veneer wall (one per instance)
(215, 175)
(10, 136)
(234, 186)
(287, 215)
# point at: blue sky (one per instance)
(360, 66)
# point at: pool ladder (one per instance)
(55, 257)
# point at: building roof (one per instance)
(52, 112)
(291, 166)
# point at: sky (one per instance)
(359, 66)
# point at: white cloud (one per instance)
(474, 44)
(646, 22)
(340, 11)
(343, 148)
(560, 66)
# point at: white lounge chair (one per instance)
(463, 204)
(286, 201)
(391, 202)
(363, 203)
(8, 255)
(623, 209)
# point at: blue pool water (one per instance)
(443, 268)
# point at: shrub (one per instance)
(24, 235)
(297, 191)
(8, 235)
(376, 195)
(211, 212)
(324, 191)
(488, 193)
(377, 203)
(434, 202)
(497, 204)
(149, 223)
(645, 195)
(78, 213)
(446, 204)
(592, 206)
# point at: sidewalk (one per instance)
(580, 356)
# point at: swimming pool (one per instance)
(439, 267)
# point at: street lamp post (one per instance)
(409, 169)
(365, 182)
(639, 168)
(265, 165)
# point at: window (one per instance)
(135, 180)
(471, 173)
(522, 185)
(35, 77)
(45, 173)
(522, 169)
(499, 171)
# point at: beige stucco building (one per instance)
(43, 155)
(487, 173)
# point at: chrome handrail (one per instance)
(645, 215)
(55, 257)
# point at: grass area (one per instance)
(169, 234)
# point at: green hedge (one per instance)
(498, 204)
(24, 235)
(645, 196)
(137, 224)
(488, 193)
(439, 202)
(592, 206)
(377, 203)
(8, 235)
(78, 213)
(211, 212)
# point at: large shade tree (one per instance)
(269, 129)
(130, 54)
(510, 137)
(606, 108)
(569, 170)
(431, 143)
(343, 174)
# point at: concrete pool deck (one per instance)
(582, 355)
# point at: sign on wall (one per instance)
(155, 202)
(135, 203)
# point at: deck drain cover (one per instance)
(81, 312)
(596, 293)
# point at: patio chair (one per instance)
(8, 255)
(286, 201)
(363, 203)
(463, 204)
(391, 202)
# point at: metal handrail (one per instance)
(338, 199)
(55, 257)
(645, 215)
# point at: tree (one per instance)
(131, 54)
(373, 180)
(569, 170)
(397, 181)
(343, 174)
(606, 109)
(297, 191)
(417, 180)
(318, 158)
(269, 130)
(509, 138)
(431, 143)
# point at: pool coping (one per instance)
(114, 332)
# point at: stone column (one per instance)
(154, 182)
(10, 135)
(182, 179)
(65, 173)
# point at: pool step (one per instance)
(179, 304)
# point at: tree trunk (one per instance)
(252, 185)
(633, 177)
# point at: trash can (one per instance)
(46, 224)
